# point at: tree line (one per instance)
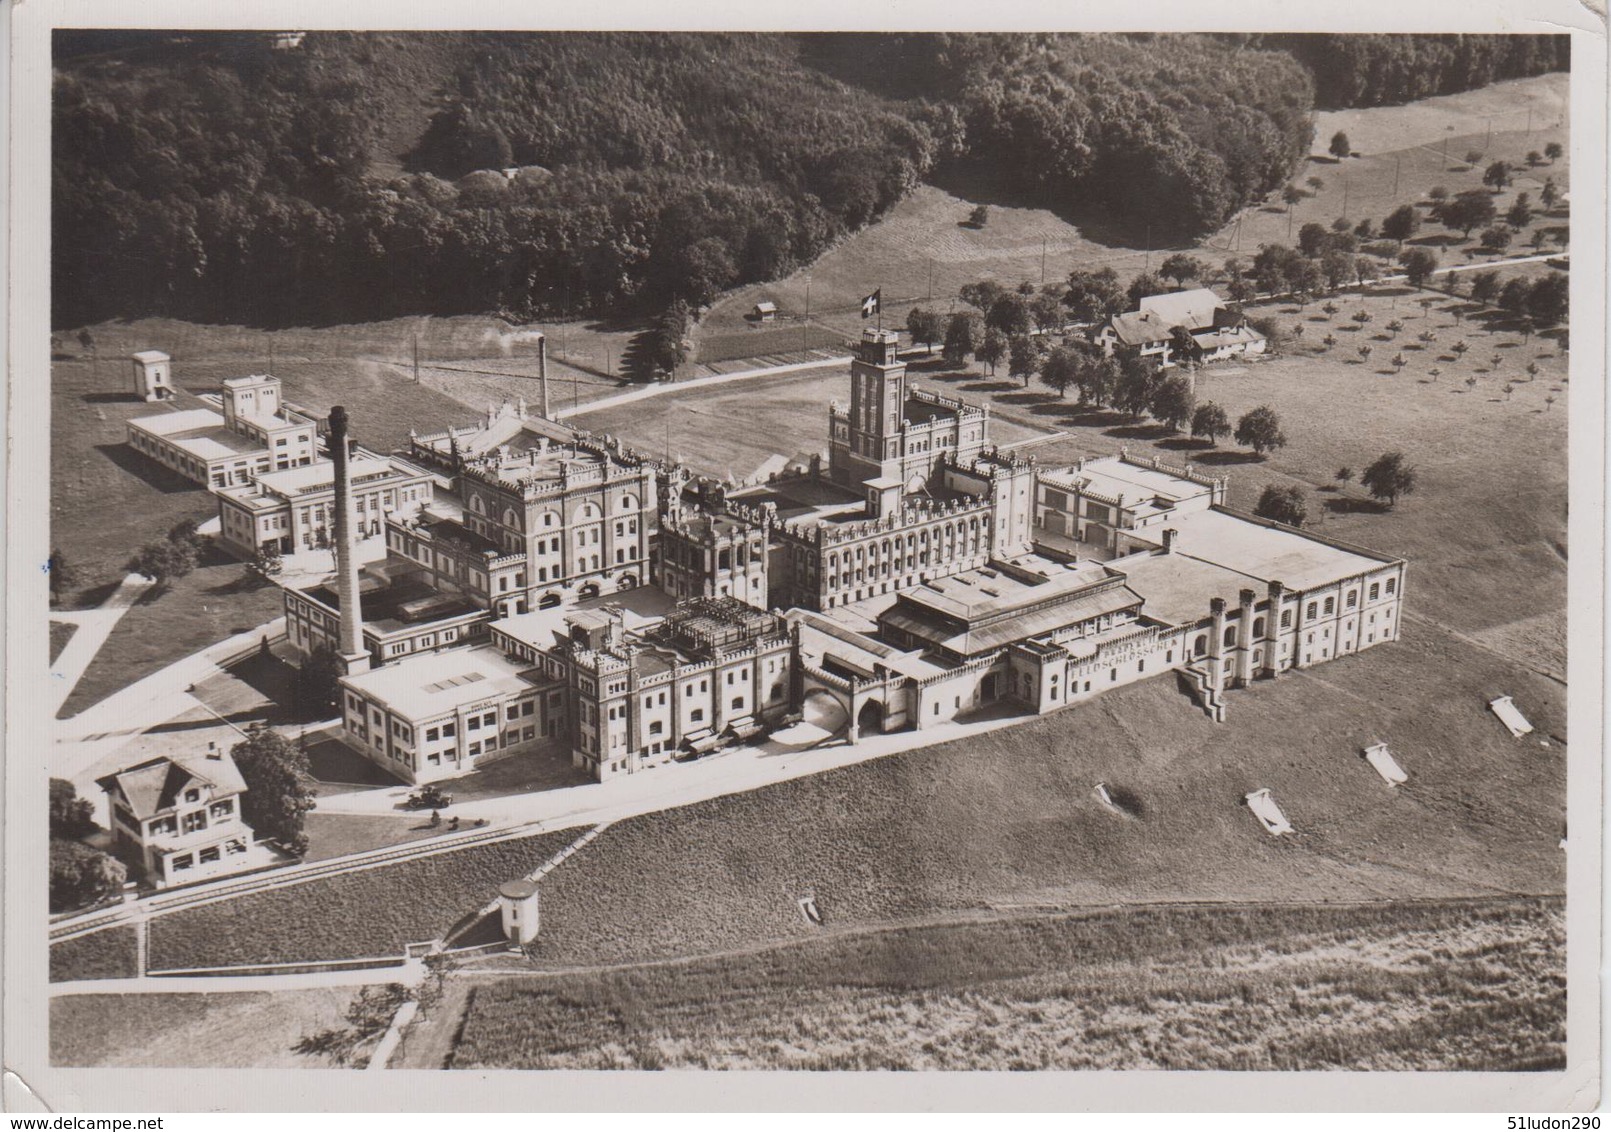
(211, 178)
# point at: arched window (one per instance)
(509, 517)
(629, 502)
(1230, 636)
(1258, 627)
(1200, 647)
(477, 506)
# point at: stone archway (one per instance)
(589, 590)
(821, 708)
(870, 719)
(548, 601)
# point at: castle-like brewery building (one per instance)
(922, 575)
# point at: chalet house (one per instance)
(764, 311)
(179, 819)
(1218, 330)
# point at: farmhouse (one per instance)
(178, 820)
(1213, 328)
(256, 434)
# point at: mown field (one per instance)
(1010, 818)
(357, 915)
(732, 429)
(246, 1030)
(1461, 986)
(108, 954)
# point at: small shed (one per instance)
(518, 903)
(765, 311)
(1268, 813)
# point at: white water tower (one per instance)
(518, 901)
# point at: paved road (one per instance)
(790, 754)
(409, 974)
(660, 389)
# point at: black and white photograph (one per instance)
(872, 552)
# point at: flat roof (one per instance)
(181, 420)
(1297, 560)
(641, 606)
(150, 356)
(1114, 476)
(976, 594)
(1176, 589)
(380, 605)
(433, 684)
(322, 475)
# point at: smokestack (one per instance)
(353, 653)
(542, 370)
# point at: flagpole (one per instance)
(880, 293)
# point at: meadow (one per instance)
(107, 954)
(732, 429)
(375, 912)
(921, 252)
(227, 1030)
(1446, 986)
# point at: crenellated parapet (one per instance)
(1179, 471)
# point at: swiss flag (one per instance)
(872, 304)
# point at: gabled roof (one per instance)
(1140, 328)
(155, 785)
(1192, 309)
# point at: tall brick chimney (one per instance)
(353, 654)
(542, 370)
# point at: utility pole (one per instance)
(1043, 261)
(271, 357)
(808, 297)
(931, 280)
(1397, 161)
(1147, 266)
(416, 359)
(608, 370)
(1345, 198)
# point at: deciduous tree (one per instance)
(1283, 505)
(1388, 477)
(1260, 430)
(1210, 420)
(279, 792)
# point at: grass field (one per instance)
(1485, 531)
(108, 954)
(920, 254)
(60, 633)
(215, 601)
(732, 429)
(357, 915)
(1386, 987)
(1010, 818)
(253, 1029)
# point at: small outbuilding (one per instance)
(764, 311)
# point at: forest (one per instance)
(210, 177)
